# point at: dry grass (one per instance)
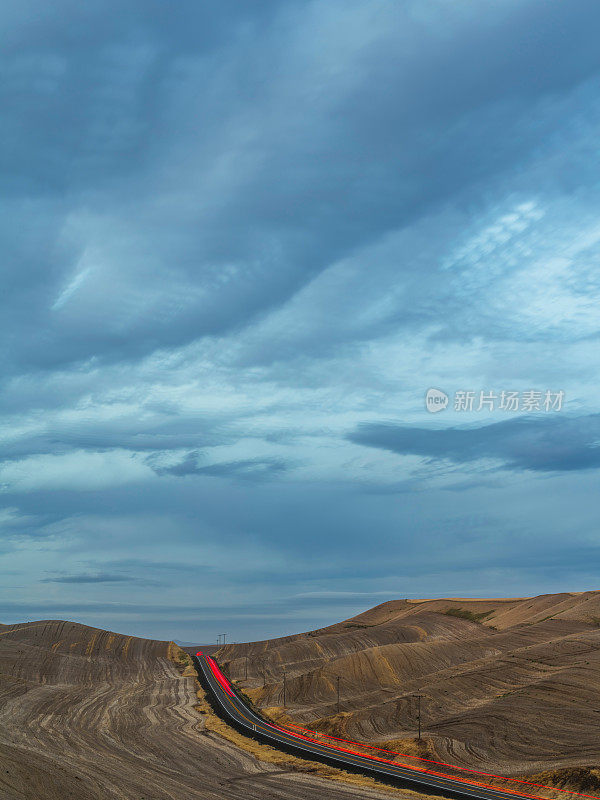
(581, 779)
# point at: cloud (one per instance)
(10, 518)
(79, 471)
(254, 469)
(538, 444)
(195, 230)
(233, 232)
(87, 578)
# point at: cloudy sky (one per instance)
(241, 240)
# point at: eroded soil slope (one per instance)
(507, 685)
(93, 715)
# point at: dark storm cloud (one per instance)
(253, 469)
(100, 578)
(544, 445)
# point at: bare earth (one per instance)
(88, 714)
(509, 686)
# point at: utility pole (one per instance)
(419, 696)
(284, 687)
(338, 694)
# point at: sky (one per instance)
(240, 244)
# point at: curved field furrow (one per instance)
(91, 715)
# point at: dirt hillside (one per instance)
(509, 685)
(93, 715)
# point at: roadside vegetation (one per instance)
(581, 779)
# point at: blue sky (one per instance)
(240, 242)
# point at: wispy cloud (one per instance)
(101, 577)
(253, 469)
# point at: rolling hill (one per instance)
(93, 715)
(509, 685)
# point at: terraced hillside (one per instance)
(93, 715)
(509, 685)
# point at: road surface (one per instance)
(429, 780)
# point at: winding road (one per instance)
(432, 781)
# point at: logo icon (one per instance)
(435, 400)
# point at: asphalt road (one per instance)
(234, 709)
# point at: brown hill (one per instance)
(94, 715)
(508, 685)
